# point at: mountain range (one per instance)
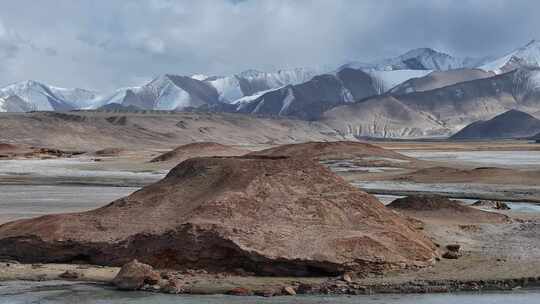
(420, 59)
(420, 93)
(438, 112)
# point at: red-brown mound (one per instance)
(108, 152)
(436, 206)
(331, 150)
(8, 151)
(271, 216)
(7, 147)
(199, 149)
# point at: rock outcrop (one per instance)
(134, 275)
(440, 207)
(332, 150)
(198, 149)
(497, 205)
(266, 215)
(453, 252)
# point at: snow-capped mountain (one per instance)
(173, 92)
(526, 56)
(38, 96)
(418, 59)
(233, 87)
(166, 92)
(310, 99)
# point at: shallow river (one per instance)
(84, 294)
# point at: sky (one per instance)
(104, 44)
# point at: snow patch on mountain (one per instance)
(287, 101)
(228, 88)
(528, 55)
(168, 96)
(2, 105)
(387, 80)
(200, 77)
(249, 98)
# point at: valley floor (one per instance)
(495, 256)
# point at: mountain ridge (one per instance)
(510, 124)
(440, 112)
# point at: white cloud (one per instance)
(107, 44)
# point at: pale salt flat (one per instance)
(26, 201)
(506, 159)
(65, 168)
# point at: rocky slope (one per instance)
(222, 214)
(385, 116)
(438, 112)
(91, 131)
(511, 124)
(439, 79)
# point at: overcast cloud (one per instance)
(105, 44)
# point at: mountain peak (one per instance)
(513, 113)
(423, 59)
(533, 42)
(422, 51)
(250, 73)
(26, 83)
